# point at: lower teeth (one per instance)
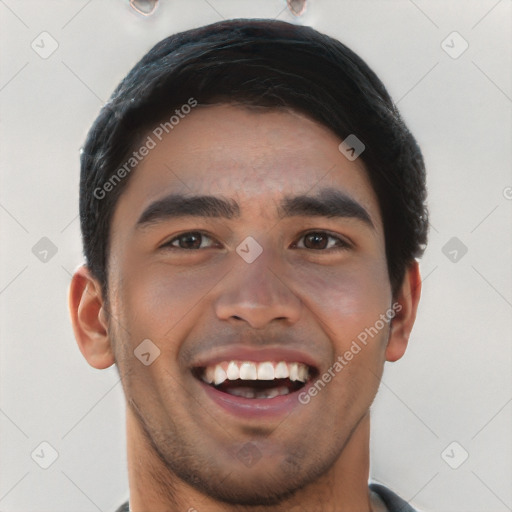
(258, 393)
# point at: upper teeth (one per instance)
(248, 370)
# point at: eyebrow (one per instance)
(329, 202)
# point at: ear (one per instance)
(405, 305)
(89, 319)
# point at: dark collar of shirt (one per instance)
(392, 501)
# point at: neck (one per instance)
(343, 488)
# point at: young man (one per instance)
(252, 207)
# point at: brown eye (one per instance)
(315, 241)
(190, 240)
(319, 240)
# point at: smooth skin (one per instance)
(313, 296)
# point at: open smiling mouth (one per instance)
(249, 379)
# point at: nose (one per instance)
(256, 293)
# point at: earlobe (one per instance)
(406, 301)
(89, 319)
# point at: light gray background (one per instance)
(454, 384)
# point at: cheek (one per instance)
(158, 300)
(347, 298)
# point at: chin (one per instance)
(263, 484)
(253, 490)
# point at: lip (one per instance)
(257, 355)
(253, 408)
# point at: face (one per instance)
(246, 295)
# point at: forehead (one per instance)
(253, 155)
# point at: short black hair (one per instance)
(268, 63)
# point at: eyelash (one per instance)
(344, 245)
